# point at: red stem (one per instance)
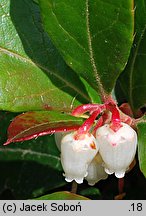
(98, 124)
(80, 110)
(87, 124)
(115, 120)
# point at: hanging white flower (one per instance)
(117, 148)
(58, 137)
(96, 171)
(76, 155)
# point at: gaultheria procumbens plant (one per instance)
(75, 69)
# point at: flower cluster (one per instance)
(103, 145)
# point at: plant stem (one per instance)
(121, 185)
(80, 110)
(74, 187)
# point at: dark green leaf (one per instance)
(27, 168)
(27, 179)
(133, 80)
(91, 192)
(95, 98)
(94, 37)
(42, 150)
(63, 195)
(141, 125)
(36, 1)
(30, 125)
(33, 75)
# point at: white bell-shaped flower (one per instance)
(76, 155)
(58, 137)
(96, 171)
(117, 149)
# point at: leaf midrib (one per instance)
(12, 53)
(26, 151)
(18, 136)
(91, 52)
(69, 35)
(23, 152)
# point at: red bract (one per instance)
(100, 109)
(33, 124)
(39, 123)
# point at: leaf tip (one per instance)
(7, 142)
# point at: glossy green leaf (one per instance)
(42, 150)
(28, 179)
(36, 1)
(91, 192)
(141, 125)
(133, 80)
(95, 98)
(33, 75)
(30, 125)
(63, 195)
(27, 168)
(94, 37)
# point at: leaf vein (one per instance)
(92, 60)
(22, 58)
(69, 35)
(25, 151)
